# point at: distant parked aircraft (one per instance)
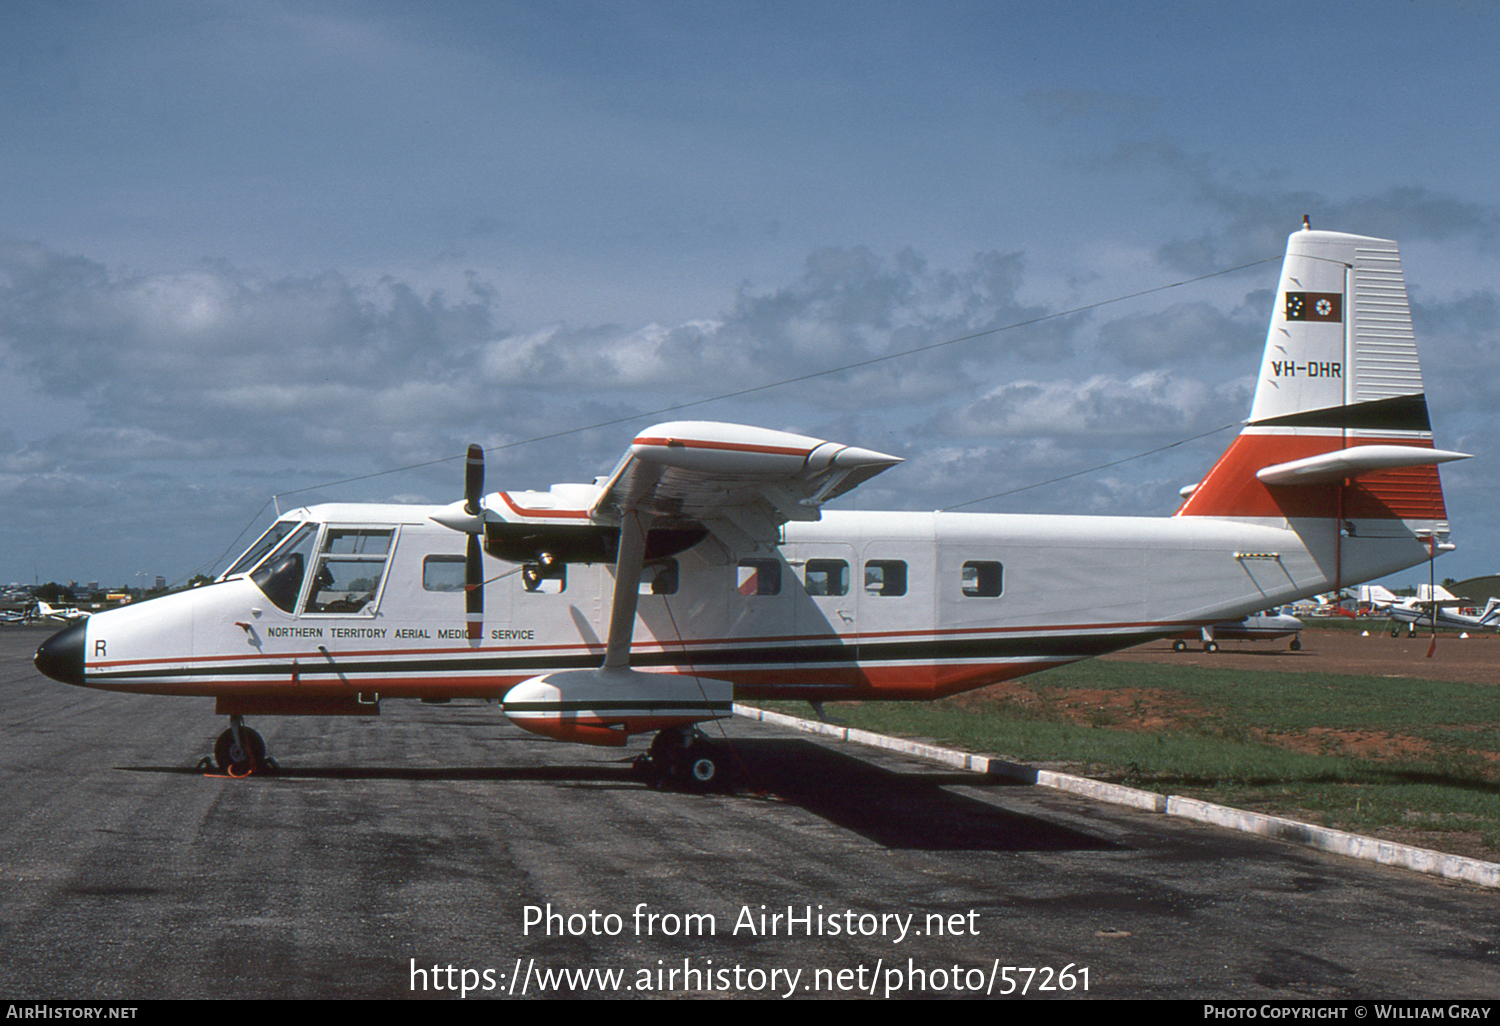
(1267, 626)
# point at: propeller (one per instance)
(474, 552)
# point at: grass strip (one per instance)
(1416, 761)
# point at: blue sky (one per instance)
(256, 248)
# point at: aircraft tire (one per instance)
(1296, 645)
(1179, 645)
(704, 768)
(1212, 646)
(256, 756)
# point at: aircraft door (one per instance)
(826, 614)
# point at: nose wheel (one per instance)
(240, 751)
(683, 757)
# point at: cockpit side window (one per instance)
(350, 569)
(280, 576)
(281, 580)
(264, 544)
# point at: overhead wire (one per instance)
(784, 382)
(1090, 470)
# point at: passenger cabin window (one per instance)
(443, 573)
(350, 569)
(758, 577)
(826, 577)
(983, 578)
(885, 577)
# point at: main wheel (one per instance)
(1212, 646)
(1179, 645)
(702, 769)
(705, 768)
(251, 759)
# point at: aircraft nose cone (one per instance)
(61, 656)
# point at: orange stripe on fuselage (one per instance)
(1231, 488)
(525, 511)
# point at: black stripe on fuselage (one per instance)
(637, 706)
(1065, 647)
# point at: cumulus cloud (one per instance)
(1102, 407)
(1180, 332)
(1460, 340)
(849, 308)
(1055, 475)
(218, 350)
(211, 388)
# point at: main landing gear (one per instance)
(684, 757)
(239, 752)
(1181, 646)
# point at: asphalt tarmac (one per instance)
(437, 851)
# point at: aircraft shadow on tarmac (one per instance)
(898, 810)
(893, 809)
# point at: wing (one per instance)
(740, 482)
(732, 477)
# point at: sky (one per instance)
(260, 255)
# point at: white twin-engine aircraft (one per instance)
(704, 568)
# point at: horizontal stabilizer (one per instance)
(1360, 459)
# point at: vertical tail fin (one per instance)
(1339, 427)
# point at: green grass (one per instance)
(1272, 742)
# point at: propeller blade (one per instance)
(474, 479)
(474, 587)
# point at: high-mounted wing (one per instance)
(738, 480)
(713, 473)
(677, 481)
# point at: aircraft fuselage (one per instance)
(857, 605)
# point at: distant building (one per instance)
(1476, 591)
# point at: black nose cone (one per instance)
(61, 656)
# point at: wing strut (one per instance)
(629, 560)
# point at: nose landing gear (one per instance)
(240, 752)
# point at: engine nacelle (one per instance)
(606, 706)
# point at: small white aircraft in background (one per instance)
(1375, 598)
(1269, 625)
(704, 567)
(68, 614)
(1437, 607)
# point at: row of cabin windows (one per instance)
(351, 562)
(349, 565)
(979, 578)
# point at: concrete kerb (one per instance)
(1337, 842)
